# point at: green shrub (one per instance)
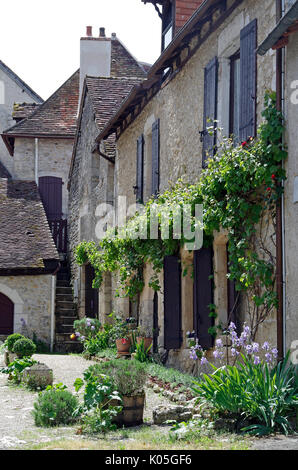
(142, 354)
(41, 346)
(86, 327)
(129, 377)
(265, 397)
(55, 407)
(24, 347)
(11, 340)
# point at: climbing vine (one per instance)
(238, 190)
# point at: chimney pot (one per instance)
(102, 32)
(114, 35)
(89, 31)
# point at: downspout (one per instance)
(36, 161)
(280, 247)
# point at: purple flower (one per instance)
(257, 360)
(83, 338)
(219, 343)
(78, 334)
(274, 351)
(232, 326)
(204, 361)
(92, 327)
(255, 347)
(193, 354)
(268, 357)
(218, 354)
(246, 329)
(234, 352)
(266, 346)
(249, 349)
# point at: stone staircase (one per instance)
(66, 313)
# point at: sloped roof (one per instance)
(23, 110)
(4, 173)
(56, 117)
(25, 238)
(20, 82)
(123, 64)
(106, 96)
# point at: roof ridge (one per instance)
(19, 81)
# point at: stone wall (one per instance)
(54, 156)
(91, 184)
(10, 93)
(179, 106)
(32, 298)
(291, 192)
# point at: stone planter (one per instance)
(147, 342)
(132, 412)
(39, 376)
(9, 357)
(123, 348)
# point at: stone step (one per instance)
(71, 312)
(66, 320)
(64, 298)
(63, 304)
(63, 283)
(68, 347)
(63, 291)
(62, 329)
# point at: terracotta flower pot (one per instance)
(147, 342)
(123, 345)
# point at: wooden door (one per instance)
(172, 302)
(6, 315)
(50, 189)
(91, 294)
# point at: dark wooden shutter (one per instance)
(140, 169)
(6, 315)
(50, 189)
(155, 157)
(233, 302)
(248, 81)
(172, 302)
(203, 295)
(155, 323)
(91, 295)
(210, 107)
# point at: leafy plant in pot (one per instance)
(123, 342)
(129, 379)
(145, 335)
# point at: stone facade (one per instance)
(54, 156)
(32, 298)
(179, 106)
(10, 93)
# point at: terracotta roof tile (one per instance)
(25, 238)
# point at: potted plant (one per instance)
(145, 334)
(9, 354)
(123, 342)
(129, 378)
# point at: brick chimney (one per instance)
(184, 10)
(95, 56)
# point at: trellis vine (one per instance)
(239, 190)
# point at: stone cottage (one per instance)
(284, 40)
(208, 69)
(91, 176)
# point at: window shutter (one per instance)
(203, 295)
(172, 302)
(140, 169)
(91, 294)
(155, 157)
(232, 299)
(248, 81)
(210, 107)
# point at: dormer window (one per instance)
(167, 24)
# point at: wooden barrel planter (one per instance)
(132, 412)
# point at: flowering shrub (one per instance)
(86, 328)
(254, 387)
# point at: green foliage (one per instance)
(128, 377)
(238, 189)
(170, 375)
(87, 327)
(191, 430)
(55, 407)
(41, 346)
(142, 354)
(10, 340)
(15, 369)
(99, 408)
(24, 347)
(267, 397)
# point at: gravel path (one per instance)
(17, 427)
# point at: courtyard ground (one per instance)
(17, 429)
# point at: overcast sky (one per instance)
(39, 39)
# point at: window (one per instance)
(167, 25)
(235, 96)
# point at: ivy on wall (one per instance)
(239, 190)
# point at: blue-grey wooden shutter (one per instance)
(172, 302)
(50, 189)
(155, 156)
(210, 108)
(248, 81)
(140, 170)
(203, 295)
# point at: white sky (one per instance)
(39, 39)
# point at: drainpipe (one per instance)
(280, 242)
(53, 298)
(36, 161)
